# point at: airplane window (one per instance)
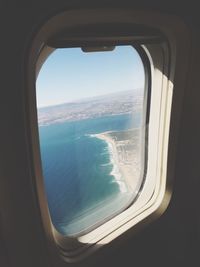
(91, 119)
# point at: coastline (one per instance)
(122, 172)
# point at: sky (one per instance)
(69, 74)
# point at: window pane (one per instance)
(90, 116)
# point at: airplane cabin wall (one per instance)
(173, 239)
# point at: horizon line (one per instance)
(86, 98)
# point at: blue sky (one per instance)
(70, 74)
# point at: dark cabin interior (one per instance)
(171, 240)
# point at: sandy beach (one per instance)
(128, 174)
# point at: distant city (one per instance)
(125, 102)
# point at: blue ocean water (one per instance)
(77, 171)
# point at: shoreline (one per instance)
(122, 172)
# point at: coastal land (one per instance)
(126, 102)
(124, 146)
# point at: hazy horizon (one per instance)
(85, 99)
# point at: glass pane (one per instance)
(90, 116)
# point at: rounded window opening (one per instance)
(92, 123)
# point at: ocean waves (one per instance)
(81, 172)
(115, 172)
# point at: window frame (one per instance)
(143, 137)
(160, 58)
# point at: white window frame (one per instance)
(156, 192)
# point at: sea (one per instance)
(82, 183)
